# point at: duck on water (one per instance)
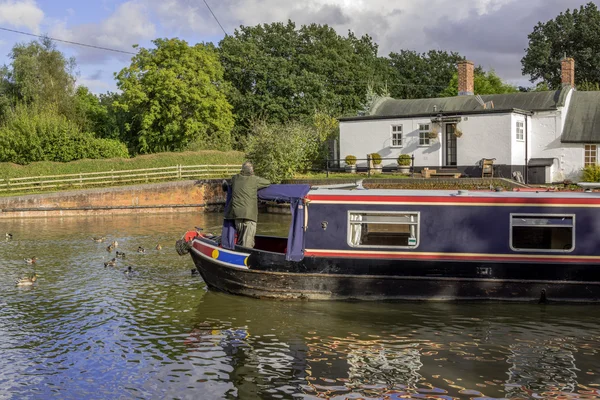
(413, 245)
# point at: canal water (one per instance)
(88, 331)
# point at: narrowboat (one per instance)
(385, 244)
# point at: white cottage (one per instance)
(550, 135)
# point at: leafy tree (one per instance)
(415, 76)
(484, 82)
(40, 74)
(280, 72)
(176, 95)
(572, 33)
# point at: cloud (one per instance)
(128, 25)
(21, 14)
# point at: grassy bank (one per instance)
(207, 157)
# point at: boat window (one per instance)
(543, 232)
(383, 229)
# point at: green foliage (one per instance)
(276, 158)
(404, 159)
(350, 159)
(176, 94)
(376, 158)
(280, 72)
(573, 33)
(416, 76)
(591, 173)
(586, 86)
(484, 82)
(34, 133)
(40, 74)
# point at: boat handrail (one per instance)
(356, 185)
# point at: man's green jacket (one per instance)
(244, 200)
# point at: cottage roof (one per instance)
(523, 101)
(582, 124)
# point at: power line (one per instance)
(68, 41)
(216, 19)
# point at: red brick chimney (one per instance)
(466, 80)
(567, 71)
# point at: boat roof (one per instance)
(318, 192)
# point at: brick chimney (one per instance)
(567, 71)
(466, 80)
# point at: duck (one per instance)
(158, 247)
(98, 239)
(120, 254)
(128, 271)
(111, 263)
(9, 235)
(110, 248)
(141, 250)
(31, 260)
(195, 272)
(27, 280)
(115, 243)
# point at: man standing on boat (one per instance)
(244, 203)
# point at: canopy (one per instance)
(292, 194)
(283, 193)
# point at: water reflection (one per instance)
(85, 331)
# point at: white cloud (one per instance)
(21, 14)
(128, 25)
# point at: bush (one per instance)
(350, 160)
(279, 151)
(32, 134)
(376, 158)
(404, 159)
(591, 173)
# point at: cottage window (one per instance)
(396, 135)
(424, 134)
(520, 131)
(590, 155)
(383, 229)
(541, 232)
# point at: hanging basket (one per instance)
(432, 135)
(458, 133)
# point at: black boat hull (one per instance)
(336, 286)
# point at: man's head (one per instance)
(247, 168)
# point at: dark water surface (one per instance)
(86, 331)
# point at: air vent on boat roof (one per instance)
(462, 193)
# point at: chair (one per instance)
(487, 167)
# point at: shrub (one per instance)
(404, 159)
(350, 160)
(32, 134)
(279, 151)
(376, 158)
(591, 173)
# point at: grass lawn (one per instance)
(207, 157)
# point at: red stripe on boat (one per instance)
(453, 199)
(450, 257)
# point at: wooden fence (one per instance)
(109, 178)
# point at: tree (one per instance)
(572, 33)
(176, 94)
(417, 76)
(280, 72)
(484, 82)
(40, 74)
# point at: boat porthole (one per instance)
(246, 261)
(215, 253)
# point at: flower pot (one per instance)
(377, 169)
(404, 169)
(350, 168)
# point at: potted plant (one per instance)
(404, 161)
(433, 134)
(457, 131)
(350, 164)
(376, 159)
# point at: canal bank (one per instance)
(183, 196)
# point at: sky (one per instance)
(491, 33)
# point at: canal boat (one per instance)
(385, 244)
